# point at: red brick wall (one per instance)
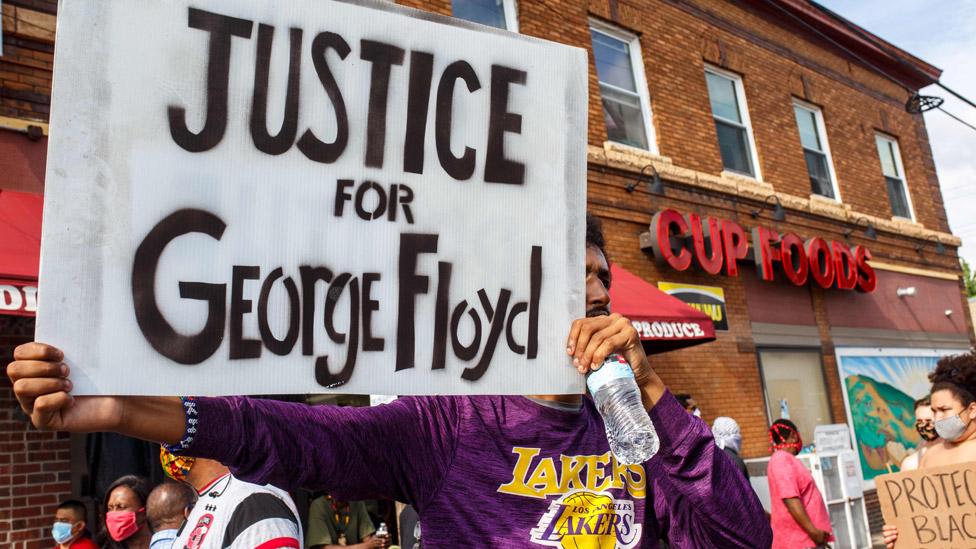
(26, 64)
(35, 467)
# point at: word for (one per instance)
(329, 48)
(715, 245)
(490, 323)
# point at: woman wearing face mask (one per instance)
(954, 412)
(925, 425)
(126, 526)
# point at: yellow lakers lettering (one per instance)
(540, 478)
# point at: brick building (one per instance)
(746, 110)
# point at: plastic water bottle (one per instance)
(630, 432)
(382, 531)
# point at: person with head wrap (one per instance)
(798, 513)
(728, 437)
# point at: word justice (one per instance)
(489, 321)
(718, 244)
(384, 60)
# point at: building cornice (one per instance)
(622, 157)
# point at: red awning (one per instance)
(664, 322)
(20, 250)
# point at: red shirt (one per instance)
(788, 478)
(80, 543)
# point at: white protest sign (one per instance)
(309, 196)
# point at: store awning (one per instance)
(20, 250)
(664, 322)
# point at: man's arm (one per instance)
(697, 486)
(708, 501)
(799, 513)
(398, 450)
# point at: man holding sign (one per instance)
(313, 196)
(494, 471)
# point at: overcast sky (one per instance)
(942, 33)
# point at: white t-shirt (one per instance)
(911, 462)
(235, 514)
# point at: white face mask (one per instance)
(951, 428)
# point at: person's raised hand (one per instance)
(591, 339)
(890, 534)
(42, 386)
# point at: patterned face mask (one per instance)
(926, 429)
(175, 467)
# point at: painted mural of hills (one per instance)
(881, 413)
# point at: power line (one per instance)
(957, 119)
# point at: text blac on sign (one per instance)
(308, 196)
(933, 508)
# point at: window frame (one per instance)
(637, 71)
(822, 135)
(880, 136)
(811, 349)
(743, 105)
(511, 15)
(509, 11)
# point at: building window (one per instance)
(813, 137)
(493, 13)
(891, 166)
(793, 382)
(623, 89)
(731, 115)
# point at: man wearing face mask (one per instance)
(954, 408)
(70, 529)
(231, 513)
(925, 425)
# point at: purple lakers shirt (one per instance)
(495, 471)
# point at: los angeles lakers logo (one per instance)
(588, 520)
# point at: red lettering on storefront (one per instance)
(704, 237)
(821, 261)
(662, 226)
(734, 246)
(867, 280)
(764, 252)
(794, 259)
(717, 244)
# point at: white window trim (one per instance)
(511, 15)
(822, 134)
(901, 170)
(740, 95)
(640, 79)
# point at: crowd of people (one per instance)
(478, 470)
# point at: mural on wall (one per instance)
(881, 387)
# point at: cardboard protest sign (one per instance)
(932, 508)
(306, 196)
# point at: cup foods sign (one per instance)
(716, 245)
